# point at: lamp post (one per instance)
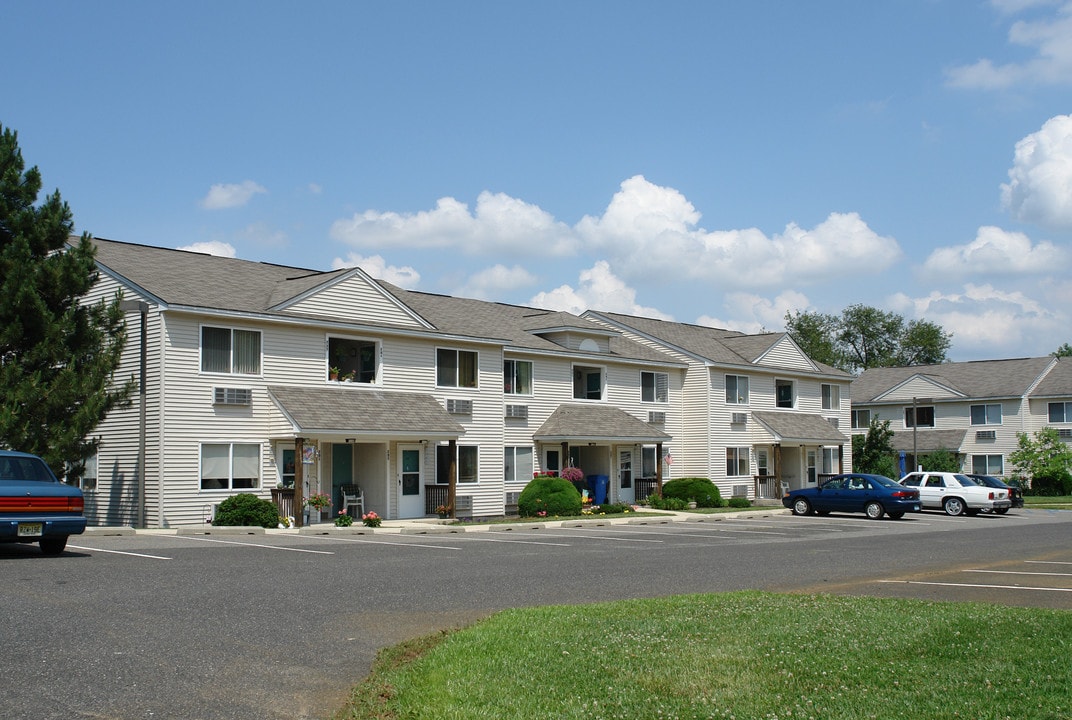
(143, 309)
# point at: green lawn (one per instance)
(1060, 502)
(738, 655)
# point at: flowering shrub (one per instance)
(572, 473)
(343, 520)
(318, 501)
(371, 519)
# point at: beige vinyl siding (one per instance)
(353, 299)
(917, 387)
(784, 354)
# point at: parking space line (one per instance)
(523, 542)
(119, 552)
(1048, 562)
(382, 542)
(974, 585)
(1021, 572)
(256, 545)
(587, 536)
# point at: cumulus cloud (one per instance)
(494, 281)
(219, 249)
(995, 251)
(983, 317)
(598, 289)
(1050, 39)
(500, 223)
(404, 277)
(231, 195)
(1040, 181)
(755, 313)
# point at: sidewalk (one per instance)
(435, 526)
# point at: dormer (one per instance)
(572, 332)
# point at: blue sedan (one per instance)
(874, 495)
(35, 507)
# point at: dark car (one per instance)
(35, 507)
(875, 495)
(1015, 493)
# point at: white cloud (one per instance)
(995, 251)
(220, 249)
(987, 321)
(495, 281)
(1040, 181)
(500, 223)
(1051, 41)
(754, 313)
(222, 196)
(404, 277)
(598, 289)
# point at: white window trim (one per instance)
(524, 477)
(457, 370)
(379, 357)
(602, 382)
(532, 378)
(792, 386)
(726, 385)
(986, 414)
(231, 373)
(835, 402)
(230, 465)
(666, 383)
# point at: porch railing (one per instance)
(284, 501)
(642, 487)
(767, 487)
(434, 496)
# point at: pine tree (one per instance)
(58, 354)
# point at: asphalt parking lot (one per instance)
(281, 625)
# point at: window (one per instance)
(861, 419)
(654, 387)
(649, 462)
(762, 462)
(467, 464)
(225, 350)
(924, 417)
(353, 360)
(286, 469)
(831, 397)
(87, 480)
(230, 466)
(783, 393)
(587, 383)
(455, 368)
(1060, 412)
(518, 464)
(736, 389)
(986, 414)
(517, 377)
(736, 461)
(830, 461)
(987, 464)
(552, 463)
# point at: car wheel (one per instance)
(54, 545)
(953, 506)
(801, 507)
(874, 510)
(895, 515)
(1002, 511)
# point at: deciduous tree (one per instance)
(1044, 459)
(58, 353)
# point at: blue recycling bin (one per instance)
(597, 485)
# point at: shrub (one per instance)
(248, 510)
(549, 496)
(667, 503)
(698, 490)
(739, 502)
(613, 508)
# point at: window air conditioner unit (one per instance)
(512, 499)
(739, 418)
(656, 418)
(986, 435)
(836, 422)
(232, 396)
(1065, 433)
(517, 411)
(460, 407)
(740, 491)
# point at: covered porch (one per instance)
(371, 442)
(608, 445)
(794, 450)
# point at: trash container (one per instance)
(598, 484)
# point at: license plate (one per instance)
(915, 507)
(30, 529)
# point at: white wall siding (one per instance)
(355, 300)
(785, 354)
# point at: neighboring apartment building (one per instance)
(758, 415)
(258, 376)
(973, 409)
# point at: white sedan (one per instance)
(955, 493)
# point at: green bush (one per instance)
(247, 510)
(550, 496)
(667, 503)
(739, 502)
(613, 508)
(698, 490)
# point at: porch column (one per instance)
(299, 481)
(452, 478)
(841, 458)
(778, 464)
(564, 460)
(659, 468)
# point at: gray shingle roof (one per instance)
(597, 422)
(928, 440)
(976, 379)
(360, 411)
(1058, 381)
(803, 427)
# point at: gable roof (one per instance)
(799, 427)
(1058, 381)
(714, 345)
(597, 423)
(970, 380)
(364, 412)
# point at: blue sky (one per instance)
(709, 162)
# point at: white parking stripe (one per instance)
(1020, 572)
(523, 542)
(119, 552)
(382, 542)
(257, 545)
(1048, 562)
(972, 585)
(586, 536)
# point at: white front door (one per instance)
(410, 481)
(626, 493)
